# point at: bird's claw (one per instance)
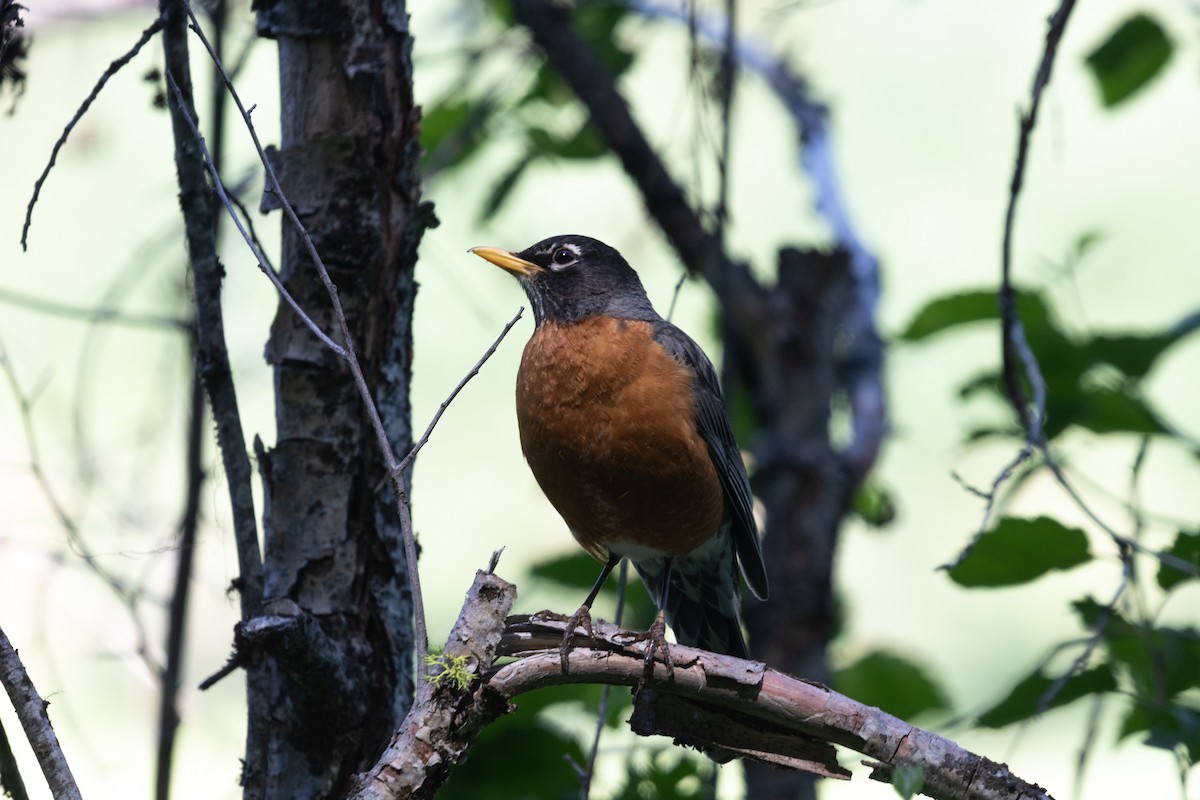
(656, 638)
(581, 617)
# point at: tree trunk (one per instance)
(330, 672)
(802, 480)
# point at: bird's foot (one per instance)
(581, 617)
(657, 641)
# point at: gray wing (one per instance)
(713, 422)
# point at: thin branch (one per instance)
(31, 712)
(212, 357)
(403, 465)
(171, 678)
(861, 369)
(1093, 641)
(726, 82)
(252, 241)
(112, 70)
(127, 595)
(93, 315)
(11, 782)
(347, 353)
(586, 774)
(1014, 343)
(989, 496)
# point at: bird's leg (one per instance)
(657, 635)
(584, 615)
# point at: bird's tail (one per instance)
(704, 598)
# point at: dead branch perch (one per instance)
(723, 705)
(31, 711)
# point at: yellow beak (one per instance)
(506, 260)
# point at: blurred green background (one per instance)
(924, 96)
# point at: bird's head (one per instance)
(570, 278)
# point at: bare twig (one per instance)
(112, 70)
(589, 771)
(861, 370)
(128, 595)
(31, 711)
(989, 497)
(1093, 641)
(412, 453)
(1015, 347)
(94, 315)
(251, 241)
(726, 83)
(177, 616)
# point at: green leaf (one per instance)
(1187, 548)
(1133, 355)
(893, 683)
(1129, 59)
(596, 23)
(1091, 612)
(1102, 409)
(1020, 550)
(585, 143)
(874, 504)
(498, 768)
(1030, 697)
(503, 187)
(575, 571)
(949, 311)
(1160, 661)
(669, 774)
(452, 131)
(978, 306)
(1170, 727)
(908, 779)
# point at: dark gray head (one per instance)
(570, 278)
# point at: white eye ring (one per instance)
(563, 256)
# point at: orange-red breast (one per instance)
(623, 425)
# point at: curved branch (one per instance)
(113, 69)
(786, 713)
(728, 707)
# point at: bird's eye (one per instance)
(563, 256)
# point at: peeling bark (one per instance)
(727, 707)
(330, 654)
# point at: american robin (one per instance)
(623, 426)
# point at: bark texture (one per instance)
(329, 656)
(725, 706)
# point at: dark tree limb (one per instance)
(793, 347)
(195, 475)
(723, 705)
(198, 204)
(11, 782)
(698, 249)
(31, 712)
